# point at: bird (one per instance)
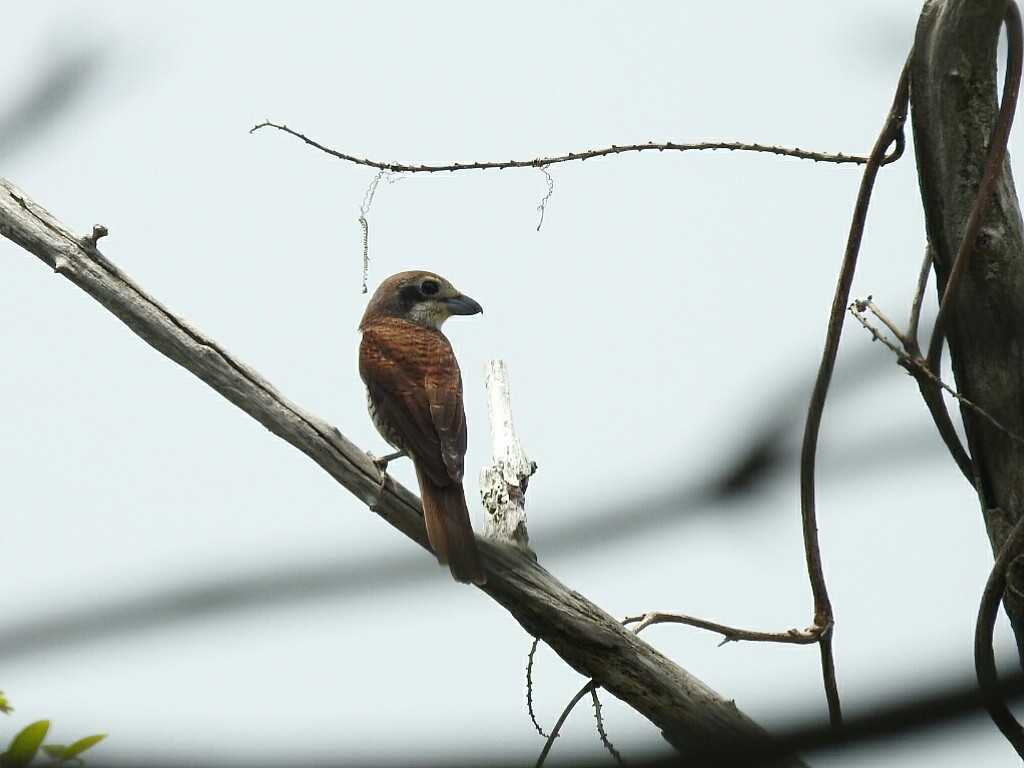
(414, 396)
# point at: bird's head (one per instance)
(420, 297)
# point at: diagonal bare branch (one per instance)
(686, 710)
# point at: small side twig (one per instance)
(98, 232)
(984, 655)
(529, 687)
(543, 205)
(918, 366)
(922, 285)
(807, 636)
(364, 223)
(599, 719)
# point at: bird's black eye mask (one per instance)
(409, 295)
(413, 294)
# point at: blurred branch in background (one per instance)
(66, 78)
(761, 460)
(895, 715)
(935, 712)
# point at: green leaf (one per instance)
(78, 747)
(24, 746)
(5, 706)
(56, 751)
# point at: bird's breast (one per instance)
(387, 430)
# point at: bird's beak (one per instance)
(463, 305)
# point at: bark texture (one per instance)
(954, 102)
(690, 715)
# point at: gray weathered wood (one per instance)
(689, 713)
(953, 106)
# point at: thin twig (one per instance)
(869, 304)
(993, 166)
(590, 686)
(917, 366)
(541, 162)
(529, 687)
(808, 636)
(930, 394)
(543, 205)
(601, 731)
(922, 285)
(890, 135)
(731, 634)
(364, 209)
(984, 655)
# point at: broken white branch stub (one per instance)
(503, 483)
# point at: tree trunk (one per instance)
(954, 102)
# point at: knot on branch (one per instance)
(98, 231)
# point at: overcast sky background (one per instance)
(670, 307)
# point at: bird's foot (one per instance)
(382, 465)
(383, 461)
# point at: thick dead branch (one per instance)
(503, 482)
(690, 714)
(954, 110)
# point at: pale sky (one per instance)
(671, 306)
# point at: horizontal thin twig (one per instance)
(542, 162)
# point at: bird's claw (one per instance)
(383, 461)
(382, 466)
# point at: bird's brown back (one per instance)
(415, 390)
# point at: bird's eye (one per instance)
(430, 287)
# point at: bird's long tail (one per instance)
(449, 531)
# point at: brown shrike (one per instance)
(414, 392)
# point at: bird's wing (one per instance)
(443, 386)
(414, 380)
